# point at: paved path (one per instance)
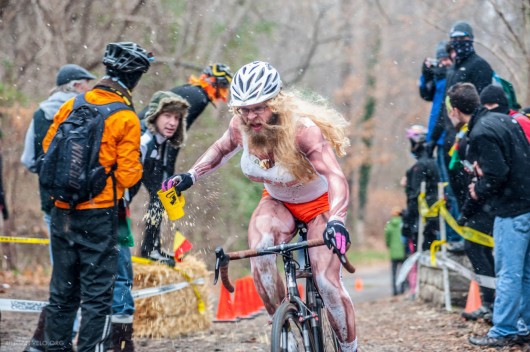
(375, 283)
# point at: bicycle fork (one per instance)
(304, 313)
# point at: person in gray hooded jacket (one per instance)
(71, 80)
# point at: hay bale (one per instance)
(176, 313)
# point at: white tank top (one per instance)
(279, 182)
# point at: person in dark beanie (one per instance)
(84, 236)
(498, 151)
(467, 67)
(210, 87)
(494, 99)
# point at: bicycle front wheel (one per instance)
(329, 342)
(288, 333)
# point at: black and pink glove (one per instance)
(336, 237)
(181, 182)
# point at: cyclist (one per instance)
(288, 143)
(160, 154)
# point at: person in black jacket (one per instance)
(468, 67)
(159, 156)
(424, 170)
(500, 150)
(463, 102)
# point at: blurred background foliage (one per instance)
(363, 56)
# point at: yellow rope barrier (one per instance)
(435, 247)
(439, 208)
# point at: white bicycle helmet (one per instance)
(254, 83)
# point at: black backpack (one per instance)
(70, 170)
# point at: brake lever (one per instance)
(221, 260)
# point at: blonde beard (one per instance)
(264, 140)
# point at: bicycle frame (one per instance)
(311, 308)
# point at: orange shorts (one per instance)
(306, 211)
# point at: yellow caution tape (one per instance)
(201, 306)
(24, 240)
(435, 247)
(439, 208)
(140, 260)
(467, 232)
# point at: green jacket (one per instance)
(393, 238)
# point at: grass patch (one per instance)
(367, 256)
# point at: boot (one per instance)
(122, 337)
(37, 342)
(483, 312)
(161, 257)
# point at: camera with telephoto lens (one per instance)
(432, 62)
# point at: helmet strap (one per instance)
(112, 84)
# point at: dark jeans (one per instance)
(431, 233)
(84, 267)
(481, 258)
(396, 265)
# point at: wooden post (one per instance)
(421, 227)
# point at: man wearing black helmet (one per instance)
(71, 80)
(84, 238)
(160, 155)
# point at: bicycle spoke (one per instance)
(329, 341)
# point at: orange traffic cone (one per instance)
(241, 299)
(302, 291)
(225, 307)
(359, 286)
(473, 298)
(257, 303)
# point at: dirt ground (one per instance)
(393, 324)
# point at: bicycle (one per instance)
(296, 323)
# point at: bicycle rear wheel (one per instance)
(287, 333)
(329, 340)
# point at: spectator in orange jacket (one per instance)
(84, 240)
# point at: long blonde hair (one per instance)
(290, 107)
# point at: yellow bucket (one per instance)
(173, 203)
